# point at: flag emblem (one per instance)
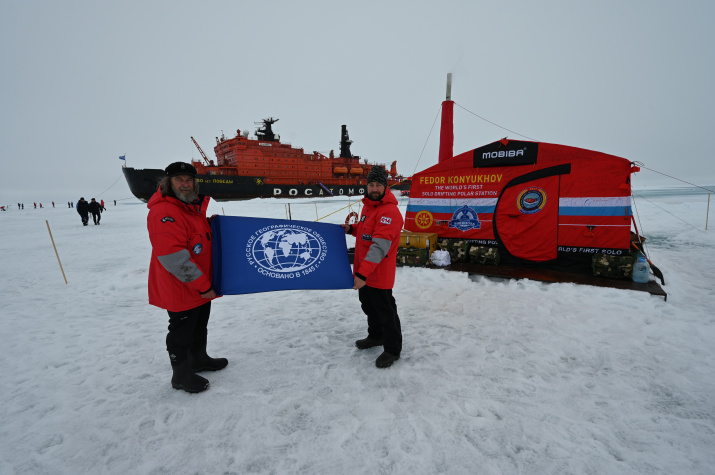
(264, 255)
(286, 249)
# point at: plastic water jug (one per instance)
(641, 270)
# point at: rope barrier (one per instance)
(348, 206)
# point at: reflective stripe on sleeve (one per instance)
(179, 264)
(378, 250)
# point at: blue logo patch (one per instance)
(198, 248)
(464, 219)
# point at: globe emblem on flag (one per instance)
(286, 249)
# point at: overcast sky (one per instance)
(84, 82)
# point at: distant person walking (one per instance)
(102, 203)
(96, 210)
(69, 205)
(115, 202)
(53, 204)
(35, 204)
(83, 210)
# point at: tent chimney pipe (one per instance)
(446, 133)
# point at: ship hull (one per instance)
(143, 184)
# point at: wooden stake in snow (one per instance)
(56, 253)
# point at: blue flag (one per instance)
(123, 157)
(262, 255)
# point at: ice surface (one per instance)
(496, 376)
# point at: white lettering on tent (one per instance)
(502, 154)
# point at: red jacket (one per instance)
(377, 236)
(180, 268)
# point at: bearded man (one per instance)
(377, 235)
(180, 273)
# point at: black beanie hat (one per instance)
(377, 174)
(180, 168)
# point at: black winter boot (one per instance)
(385, 360)
(368, 342)
(184, 378)
(203, 362)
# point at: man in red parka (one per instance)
(377, 236)
(180, 273)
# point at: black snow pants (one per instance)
(383, 323)
(187, 332)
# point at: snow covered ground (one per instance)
(495, 376)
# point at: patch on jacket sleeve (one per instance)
(198, 248)
(385, 220)
(367, 237)
(167, 219)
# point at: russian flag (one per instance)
(264, 255)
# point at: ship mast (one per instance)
(345, 143)
(266, 132)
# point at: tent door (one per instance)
(527, 213)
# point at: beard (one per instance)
(375, 196)
(188, 196)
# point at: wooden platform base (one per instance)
(546, 275)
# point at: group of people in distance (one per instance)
(84, 209)
(180, 271)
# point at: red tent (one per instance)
(537, 202)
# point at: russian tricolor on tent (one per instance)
(263, 255)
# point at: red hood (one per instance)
(389, 198)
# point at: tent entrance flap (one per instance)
(527, 214)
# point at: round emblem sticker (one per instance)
(531, 200)
(198, 248)
(423, 219)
